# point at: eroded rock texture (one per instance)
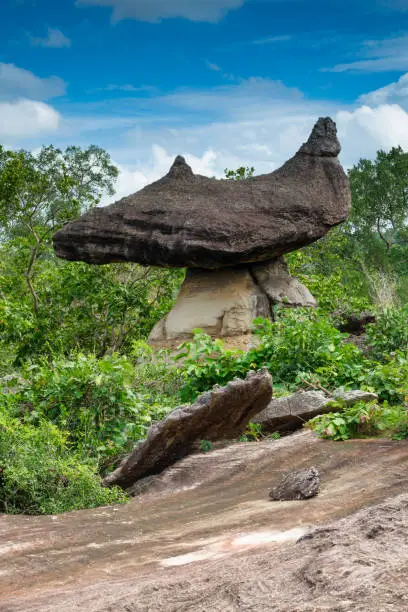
(292, 411)
(222, 413)
(224, 303)
(187, 220)
(302, 484)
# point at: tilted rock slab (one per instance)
(222, 413)
(188, 220)
(291, 412)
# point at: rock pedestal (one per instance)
(223, 303)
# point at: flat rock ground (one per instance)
(205, 537)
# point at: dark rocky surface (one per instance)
(220, 414)
(302, 484)
(187, 220)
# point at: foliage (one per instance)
(360, 420)
(389, 333)
(244, 172)
(254, 433)
(87, 308)
(41, 192)
(94, 400)
(207, 362)
(40, 475)
(380, 196)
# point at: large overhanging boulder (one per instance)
(220, 414)
(187, 220)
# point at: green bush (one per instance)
(389, 379)
(361, 420)
(304, 340)
(40, 475)
(94, 400)
(389, 333)
(297, 343)
(206, 362)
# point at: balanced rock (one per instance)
(220, 414)
(187, 220)
(302, 484)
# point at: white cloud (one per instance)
(132, 179)
(17, 82)
(156, 10)
(365, 130)
(55, 39)
(378, 56)
(394, 92)
(27, 118)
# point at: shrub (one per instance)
(39, 474)
(361, 420)
(207, 362)
(94, 400)
(389, 333)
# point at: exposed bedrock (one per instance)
(187, 220)
(223, 303)
(220, 414)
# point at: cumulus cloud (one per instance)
(132, 179)
(394, 92)
(27, 118)
(55, 39)
(365, 130)
(156, 10)
(17, 82)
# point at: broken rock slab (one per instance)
(222, 413)
(291, 412)
(302, 484)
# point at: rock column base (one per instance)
(223, 303)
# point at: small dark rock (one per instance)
(356, 323)
(302, 484)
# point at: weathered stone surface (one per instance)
(222, 413)
(302, 484)
(352, 397)
(291, 412)
(187, 220)
(281, 288)
(223, 303)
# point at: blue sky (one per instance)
(224, 82)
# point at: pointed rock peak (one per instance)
(323, 141)
(180, 169)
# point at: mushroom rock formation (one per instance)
(229, 234)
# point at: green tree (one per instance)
(380, 197)
(239, 174)
(40, 192)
